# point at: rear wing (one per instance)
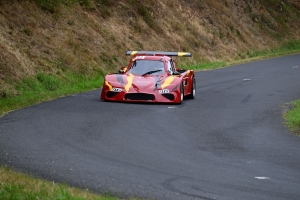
(158, 53)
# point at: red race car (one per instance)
(151, 76)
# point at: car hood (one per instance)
(139, 83)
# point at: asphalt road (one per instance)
(227, 143)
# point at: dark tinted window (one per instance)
(143, 66)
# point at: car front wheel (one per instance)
(181, 93)
(193, 89)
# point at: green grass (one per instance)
(16, 186)
(251, 55)
(44, 87)
(292, 117)
(286, 48)
(206, 65)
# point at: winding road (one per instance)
(227, 143)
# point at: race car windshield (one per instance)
(144, 67)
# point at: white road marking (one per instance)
(172, 107)
(295, 67)
(262, 177)
(246, 79)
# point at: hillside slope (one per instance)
(91, 36)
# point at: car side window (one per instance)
(170, 67)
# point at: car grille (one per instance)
(110, 94)
(139, 96)
(169, 96)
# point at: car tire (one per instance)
(181, 93)
(193, 89)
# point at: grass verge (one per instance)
(292, 117)
(207, 66)
(287, 48)
(44, 87)
(16, 186)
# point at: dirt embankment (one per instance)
(93, 35)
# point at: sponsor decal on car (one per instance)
(116, 90)
(109, 85)
(167, 82)
(138, 58)
(120, 79)
(129, 82)
(163, 91)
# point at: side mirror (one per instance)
(176, 73)
(122, 70)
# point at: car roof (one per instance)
(147, 57)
